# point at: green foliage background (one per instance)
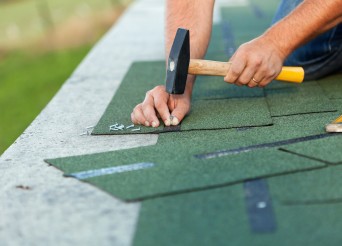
(30, 75)
(27, 83)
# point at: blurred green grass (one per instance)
(41, 44)
(27, 84)
(29, 19)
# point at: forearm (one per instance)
(195, 15)
(307, 21)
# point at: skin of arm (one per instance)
(195, 15)
(262, 58)
(259, 60)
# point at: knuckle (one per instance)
(263, 69)
(235, 72)
(271, 73)
(137, 107)
(158, 104)
(243, 49)
(148, 93)
(257, 61)
(148, 109)
(159, 89)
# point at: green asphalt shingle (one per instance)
(311, 187)
(332, 86)
(327, 149)
(308, 97)
(219, 217)
(178, 170)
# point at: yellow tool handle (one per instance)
(338, 120)
(291, 74)
(216, 68)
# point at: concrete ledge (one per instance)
(63, 211)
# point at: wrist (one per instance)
(284, 45)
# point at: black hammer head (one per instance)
(178, 63)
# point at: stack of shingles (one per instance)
(249, 166)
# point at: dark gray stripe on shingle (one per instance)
(259, 206)
(172, 128)
(226, 152)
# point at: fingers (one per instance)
(158, 102)
(269, 74)
(177, 115)
(149, 112)
(257, 78)
(253, 83)
(235, 71)
(263, 76)
(179, 109)
(137, 116)
(255, 63)
(155, 104)
(253, 74)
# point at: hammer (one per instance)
(180, 65)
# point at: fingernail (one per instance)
(175, 121)
(167, 122)
(147, 123)
(154, 124)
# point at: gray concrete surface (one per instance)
(63, 211)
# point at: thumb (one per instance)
(178, 114)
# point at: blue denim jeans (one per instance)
(321, 56)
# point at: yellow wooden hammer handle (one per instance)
(216, 68)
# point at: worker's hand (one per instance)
(159, 104)
(255, 63)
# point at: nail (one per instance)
(175, 121)
(130, 126)
(147, 123)
(154, 124)
(167, 122)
